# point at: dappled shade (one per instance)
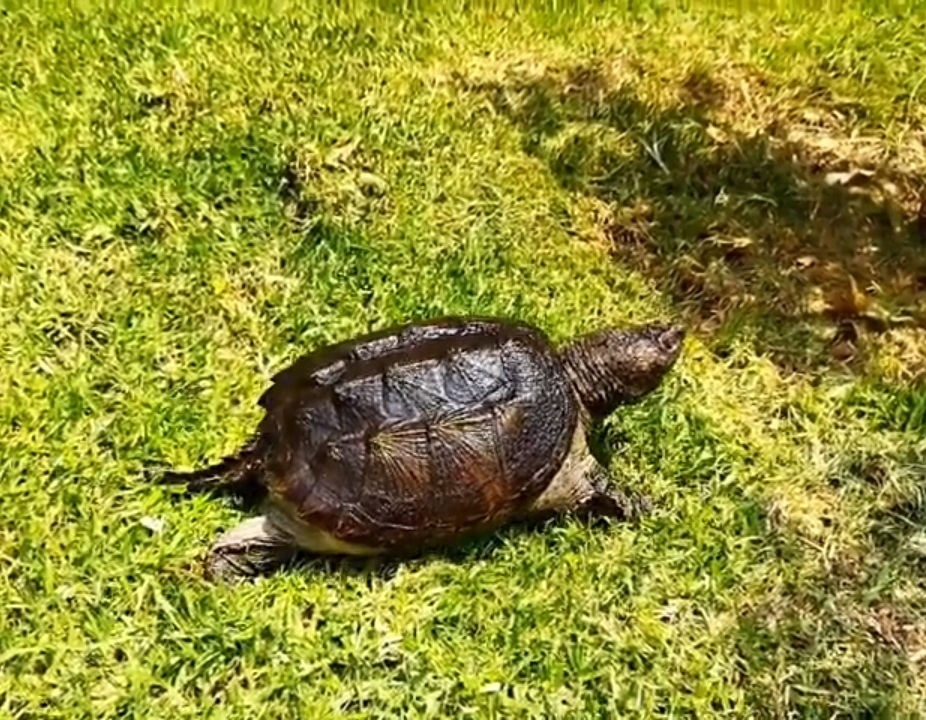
(761, 218)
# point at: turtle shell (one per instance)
(417, 434)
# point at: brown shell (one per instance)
(419, 433)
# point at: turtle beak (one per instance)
(669, 339)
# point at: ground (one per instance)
(191, 197)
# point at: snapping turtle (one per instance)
(417, 435)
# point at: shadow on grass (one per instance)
(843, 633)
(386, 567)
(477, 546)
(753, 234)
(807, 658)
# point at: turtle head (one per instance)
(619, 366)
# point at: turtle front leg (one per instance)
(582, 487)
(605, 502)
(255, 547)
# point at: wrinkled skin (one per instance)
(617, 367)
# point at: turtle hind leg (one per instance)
(255, 547)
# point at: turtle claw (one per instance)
(254, 548)
(616, 505)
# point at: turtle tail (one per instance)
(235, 474)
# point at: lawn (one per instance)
(191, 197)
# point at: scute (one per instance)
(427, 431)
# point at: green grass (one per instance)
(191, 197)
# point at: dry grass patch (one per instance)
(746, 200)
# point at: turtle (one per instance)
(422, 434)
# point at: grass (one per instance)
(191, 197)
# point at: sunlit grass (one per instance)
(190, 198)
